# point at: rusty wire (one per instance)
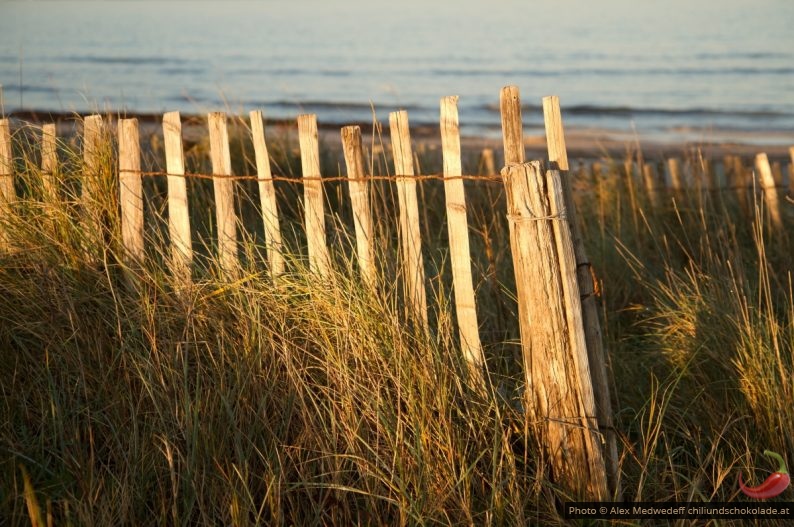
(329, 179)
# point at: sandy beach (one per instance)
(582, 143)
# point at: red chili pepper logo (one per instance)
(776, 483)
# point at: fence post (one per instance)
(458, 226)
(7, 194)
(410, 237)
(267, 196)
(649, 178)
(49, 162)
(94, 149)
(487, 163)
(178, 216)
(673, 179)
(224, 192)
(359, 199)
(130, 190)
(791, 171)
(559, 394)
(512, 125)
(585, 292)
(770, 190)
(314, 208)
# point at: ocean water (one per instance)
(669, 70)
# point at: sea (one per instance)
(671, 70)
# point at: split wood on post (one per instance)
(224, 192)
(359, 200)
(130, 190)
(770, 190)
(7, 195)
(410, 237)
(49, 161)
(512, 125)
(559, 392)
(457, 224)
(178, 216)
(267, 196)
(314, 208)
(582, 300)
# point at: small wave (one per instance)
(28, 88)
(130, 61)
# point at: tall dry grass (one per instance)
(306, 401)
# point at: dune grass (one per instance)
(303, 401)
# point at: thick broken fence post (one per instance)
(596, 354)
(559, 393)
(457, 224)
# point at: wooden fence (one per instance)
(567, 382)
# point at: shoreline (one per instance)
(581, 142)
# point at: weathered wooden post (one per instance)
(410, 237)
(359, 200)
(319, 260)
(770, 190)
(559, 395)
(596, 354)
(674, 180)
(458, 228)
(49, 162)
(224, 192)
(267, 196)
(130, 191)
(649, 179)
(178, 216)
(791, 172)
(7, 195)
(487, 162)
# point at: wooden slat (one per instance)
(458, 227)
(130, 190)
(512, 125)
(410, 237)
(267, 196)
(224, 192)
(7, 195)
(674, 180)
(791, 172)
(49, 161)
(558, 398)
(649, 179)
(178, 215)
(580, 295)
(359, 199)
(555, 137)
(487, 162)
(319, 261)
(767, 181)
(94, 228)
